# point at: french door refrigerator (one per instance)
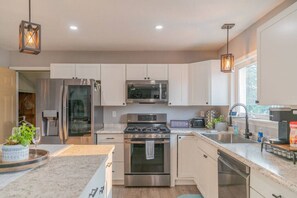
(68, 111)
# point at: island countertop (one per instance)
(65, 175)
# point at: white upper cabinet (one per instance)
(136, 71)
(69, 71)
(157, 71)
(147, 72)
(208, 85)
(277, 62)
(178, 84)
(65, 71)
(113, 79)
(88, 71)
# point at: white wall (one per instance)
(4, 58)
(173, 113)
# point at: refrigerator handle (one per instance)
(65, 108)
(61, 132)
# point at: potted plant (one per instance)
(220, 124)
(16, 147)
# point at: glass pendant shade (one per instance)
(29, 38)
(227, 63)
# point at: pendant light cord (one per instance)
(227, 40)
(29, 11)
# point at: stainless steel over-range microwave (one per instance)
(147, 91)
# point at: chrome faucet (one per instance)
(247, 131)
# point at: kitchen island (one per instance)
(72, 172)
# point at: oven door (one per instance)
(136, 162)
(147, 91)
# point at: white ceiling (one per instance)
(129, 24)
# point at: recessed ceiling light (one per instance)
(159, 27)
(73, 27)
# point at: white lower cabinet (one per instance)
(100, 186)
(255, 194)
(266, 187)
(118, 155)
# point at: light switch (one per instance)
(114, 114)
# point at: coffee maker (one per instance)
(283, 116)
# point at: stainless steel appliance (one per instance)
(147, 91)
(197, 122)
(68, 111)
(140, 171)
(234, 177)
(283, 116)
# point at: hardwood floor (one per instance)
(160, 192)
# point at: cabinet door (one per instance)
(113, 84)
(199, 83)
(276, 49)
(178, 84)
(64, 71)
(186, 146)
(201, 173)
(88, 71)
(211, 168)
(157, 71)
(136, 71)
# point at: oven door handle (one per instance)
(143, 142)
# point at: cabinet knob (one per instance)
(170, 103)
(257, 101)
(148, 77)
(206, 102)
(276, 196)
(179, 137)
(205, 156)
(144, 78)
(124, 103)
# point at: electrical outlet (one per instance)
(114, 114)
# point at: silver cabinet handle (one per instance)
(276, 196)
(143, 142)
(109, 138)
(93, 192)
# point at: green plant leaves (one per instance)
(22, 135)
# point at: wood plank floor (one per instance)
(122, 192)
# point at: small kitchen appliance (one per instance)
(283, 116)
(197, 122)
(139, 169)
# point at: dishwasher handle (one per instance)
(234, 168)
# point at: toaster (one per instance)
(197, 122)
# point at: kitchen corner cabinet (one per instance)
(147, 71)
(276, 56)
(185, 157)
(69, 71)
(113, 80)
(208, 85)
(178, 79)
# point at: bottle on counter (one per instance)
(235, 129)
(293, 134)
(260, 135)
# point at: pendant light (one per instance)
(227, 60)
(29, 36)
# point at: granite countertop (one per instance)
(281, 171)
(65, 175)
(112, 128)
(188, 131)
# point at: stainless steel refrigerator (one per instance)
(68, 111)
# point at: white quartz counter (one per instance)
(65, 175)
(278, 169)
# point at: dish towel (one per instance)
(150, 149)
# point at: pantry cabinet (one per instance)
(69, 71)
(178, 84)
(113, 79)
(207, 84)
(276, 57)
(147, 71)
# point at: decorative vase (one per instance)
(12, 153)
(221, 126)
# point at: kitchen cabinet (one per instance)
(178, 77)
(118, 154)
(255, 194)
(147, 71)
(69, 71)
(207, 84)
(113, 79)
(185, 157)
(267, 187)
(276, 57)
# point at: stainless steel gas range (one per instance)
(147, 150)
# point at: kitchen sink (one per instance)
(228, 138)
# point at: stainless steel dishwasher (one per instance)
(234, 177)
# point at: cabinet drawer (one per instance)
(107, 138)
(266, 187)
(118, 153)
(118, 171)
(208, 149)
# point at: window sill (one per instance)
(258, 122)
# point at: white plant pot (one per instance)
(12, 153)
(221, 126)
